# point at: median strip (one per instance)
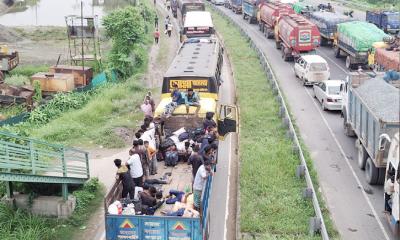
(271, 203)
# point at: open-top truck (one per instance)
(269, 14)
(295, 35)
(370, 110)
(355, 40)
(388, 21)
(327, 24)
(385, 57)
(8, 61)
(197, 66)
(236, 6)
(393, 173)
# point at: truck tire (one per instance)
(349, 64)
(336, 50)
(284, 55)
(269, 33)
(371, 172)
(277, 45)
(382, 175)
(361, 156)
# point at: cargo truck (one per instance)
(385, 56)
(269, 14)
(236, 6)
(388, 21)
(249, 10)
(355, 40)
(8, 61)
(196, 66)
(327, 24)
(295, 35)
(370, 111)
(185, 6)
(393, 173)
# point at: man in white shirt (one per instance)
(199, 182)
(135, 166)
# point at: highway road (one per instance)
(356, 207)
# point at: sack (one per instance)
(183, 136)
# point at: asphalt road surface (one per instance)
(356, 207)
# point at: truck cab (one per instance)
(393, 177)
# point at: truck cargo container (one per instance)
(327, 24)
(249, 10)
(269, 14)
(294, 35)
(355, 39)
(387, 59)
(236, 6)
(370, 110)
(188, 6)
(389, 21)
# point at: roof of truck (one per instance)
(381, 98)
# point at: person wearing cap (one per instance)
(192, 99)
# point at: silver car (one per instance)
(328, 94)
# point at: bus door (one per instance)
(227, 120)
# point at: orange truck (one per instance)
(269, 14)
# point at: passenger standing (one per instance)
(166, 22)
(126, 179)
(156, 36)
(199, 182)
(196, 160)
(151, 155)
(135, 167)
(143, 158)
(152, 103)
(146, 107)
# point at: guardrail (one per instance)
(317, 223)
(28, 160)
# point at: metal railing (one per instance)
(317, 223)
(21, 156)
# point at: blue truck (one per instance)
(389, 21)
(249, 10)
(120, 227)
(236, 6)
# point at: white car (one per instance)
(311, 69)
(218, 2)
(328, 94)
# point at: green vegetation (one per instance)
(18, 224)
(271, 203)
(372, 4)
(17, 80)
(42, 33)
(28, 70)
(10, 111)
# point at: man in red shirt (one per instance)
(156, 35)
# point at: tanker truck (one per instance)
(327, 24)
(294, 35)
(355, 40)
(269, 14)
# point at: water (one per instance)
(53, 12)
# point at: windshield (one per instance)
(333, 90)
(393, 18)
(318, 67)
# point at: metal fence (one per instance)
(317, 223)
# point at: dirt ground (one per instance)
(101, 165)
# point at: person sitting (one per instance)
(209, 121)
(148, 198)
(177, 99)
(171, 156)
(192, 99)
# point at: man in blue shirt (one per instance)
(192, 99)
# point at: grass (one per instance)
(369, 5)
(270, 195)
(10, 111)
(28, 70)
(17, 80)
(43, 33)
(18, 224)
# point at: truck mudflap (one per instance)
(151, 227)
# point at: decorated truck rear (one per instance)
(269, 15)
(355, 40)
(295, 35)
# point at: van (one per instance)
(311, 69)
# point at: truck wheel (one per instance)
(349, 64)
(277, 45)
(371, 172)
(337, 52)
(270, 33)
(362, 156)
(382, 175)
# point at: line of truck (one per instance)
(369, 100)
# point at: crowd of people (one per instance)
(167, 28)
(195, 147)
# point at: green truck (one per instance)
(355, 40)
